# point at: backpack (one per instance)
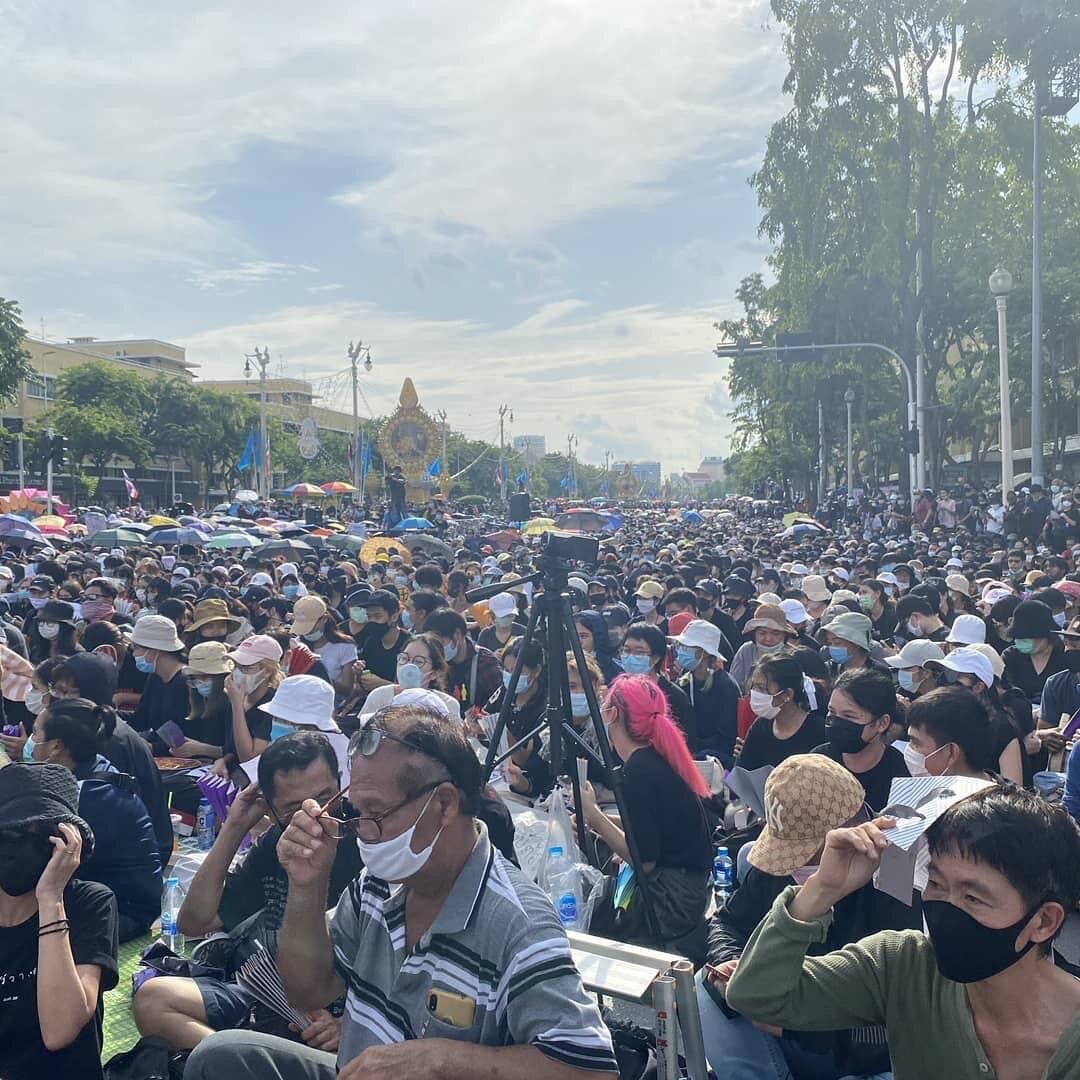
(150, 1058)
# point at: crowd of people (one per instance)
(349, 701)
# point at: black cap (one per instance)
(59, 611)
(381, 598)
(41, 795)
(42, 581)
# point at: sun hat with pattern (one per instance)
(805, 796)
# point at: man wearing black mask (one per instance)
(737, 593)
(708, 596)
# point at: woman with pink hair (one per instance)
(663, 791)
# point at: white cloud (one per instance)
(633, 381)
(254, 272)
(485, 121)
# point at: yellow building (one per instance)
(293, 400)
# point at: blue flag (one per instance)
(565, 482)
(251, 449)
(365, 461)
(523, 478)
(435, 468)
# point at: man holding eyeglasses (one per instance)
(453, 964)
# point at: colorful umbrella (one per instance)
(158, 520)
(283, 547)
(375, 546)
(228, 541)
(180, 535)
(337, 487)
(246, 495)
(414, 523)
(538, 526)
(110, 538)
(344, 542)
(305, 489)
(17, 530)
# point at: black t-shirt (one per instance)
(129, 677)
(161, 702)
(761, 747)
(380, 660)
(682, 711)
(260, 884)
(876, 781)
(1020, 671)
(666, 816)
(259, 723)
(91, 911)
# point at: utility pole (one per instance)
(50, 434)
(822, 482)
(503, 410)
(1036, 290)
(1001, 284)
(920, 363)
(444, 474)
(571, 463)
(354, 353)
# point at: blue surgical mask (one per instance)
(28, 749)
(636, 664)
(579, 705)
(839, 654)
(907, 682)
(523, 682)
(409, 676)
(144, 664)
(204, 687)
(686, 659)
(450, 652)
(406, 621)
(290, 592)
(358, 615)
(1059, 618)
(279, 729)
(1025, 645)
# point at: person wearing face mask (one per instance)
(58, 938)
(382, 641)
(878, 608)
(420, 665)
(818, 795)
(211, 621)
(416, 788)
(917, 617)
(862, 708)
(475, 673)
(226, 893)
(738, 604)
(912, 675)
(769, 633)
(209, 711)
(644, 651)
(51, 632)
(526, 771)
(419, 606)
(158, 654)
(713, 694)
(305, 703)
(313, 623)
(786, 724)
(949, 734)
(617, 619)
(126, 857)
(255, 676)
(959, 1001)
(708, 598)
(1036, 652)
(506, 625)
(356, 614)
(647, 601)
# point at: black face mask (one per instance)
(845, 736)
(1072, 658)
(967, 951)
(22, 863)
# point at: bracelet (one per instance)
(57, 930)
(58, 922)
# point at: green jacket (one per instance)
(889, 978)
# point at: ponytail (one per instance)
(644, 709)
(81, 725)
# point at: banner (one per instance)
(132, 490)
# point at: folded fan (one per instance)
(219, 793)
(260, 976)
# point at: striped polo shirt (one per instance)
(496, 941)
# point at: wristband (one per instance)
(56, 930)
(58, 922)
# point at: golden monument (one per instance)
(410, 438)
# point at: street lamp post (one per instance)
(355, 351)
(849, 400)
(1001, 284)
(262, 476)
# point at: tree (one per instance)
(101, 384)
(14, 359)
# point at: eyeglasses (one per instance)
(420, 661)
(368, 829)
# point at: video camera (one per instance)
(571, 547)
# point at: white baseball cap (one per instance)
(967, 662)
(502, 604)
(795, 612)
(701, 634)
(917, 653)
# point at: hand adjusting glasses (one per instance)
(369, 829)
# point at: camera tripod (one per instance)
(551, 619)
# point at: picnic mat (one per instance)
(120, 1032)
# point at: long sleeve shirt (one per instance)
(889, 978)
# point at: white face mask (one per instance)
(48, 630)
(916, 762)
(761, 704)
(35, 701)
(645, 606)
(914, 627)
(394, 860)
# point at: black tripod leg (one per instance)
(613, 768)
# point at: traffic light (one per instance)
(58, 450)
(911, 440)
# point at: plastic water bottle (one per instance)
(563, 889)
(721, 874)
(204, 825)
(170, 913)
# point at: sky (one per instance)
(537, 204)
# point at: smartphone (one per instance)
(451, 1008)
(171, 734)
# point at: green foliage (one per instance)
(14, 359)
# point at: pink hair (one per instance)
(644, 709)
